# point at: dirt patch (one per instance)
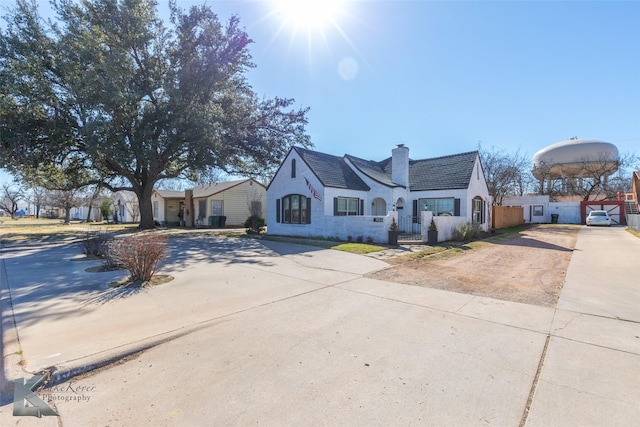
(157, 279)
(527, 267)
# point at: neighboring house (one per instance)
(80, 213)
(125, 204)
(535, 207)
(204, 205)
(538, 209)
(317, 194)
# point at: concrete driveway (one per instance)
(284, 334)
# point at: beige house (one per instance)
(222, 204)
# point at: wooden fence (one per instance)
(506, 216)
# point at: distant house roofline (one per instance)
(204, 190)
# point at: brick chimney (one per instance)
(400, 165)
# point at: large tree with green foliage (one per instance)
(109, 86)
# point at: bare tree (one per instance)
(255, 222)
(93, 201)
(506, 173)
(66, 200)
(11, 195)
(211, 176)
(37, 196)
(133, 210)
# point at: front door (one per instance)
(202, 209)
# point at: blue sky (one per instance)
(442, 76)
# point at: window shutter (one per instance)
(484, 206)
(308, 210)
(277, 210)
(335, 206)
(456, 207)
(361, 206)
(415, 214)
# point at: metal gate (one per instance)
(410, 228)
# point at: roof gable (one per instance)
(332, 171)
(442, 173)
(207, 190)
(378, 171)
(170, 194)
(204, 190)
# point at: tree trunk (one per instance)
(67, 216)
(94, 196)
(146, 208)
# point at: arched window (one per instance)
(378, 207)
(296, 209)
(478, 210)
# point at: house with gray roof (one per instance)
(318, 194)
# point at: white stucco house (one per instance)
(318, 194)
(204, 204)
(126, 206)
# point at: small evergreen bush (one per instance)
(254, 224)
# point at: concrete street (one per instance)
(272, 333)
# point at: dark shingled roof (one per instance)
(332, 171)
(440, 173)
(374, 170)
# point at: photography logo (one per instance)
(25, 401)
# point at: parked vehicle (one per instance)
(599, 218)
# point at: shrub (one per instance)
(95, 243)
(254, 224)
(359, 239)
(467, 232)
(141, 255)
(349, 239)
(369, 240)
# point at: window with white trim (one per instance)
(346, 206)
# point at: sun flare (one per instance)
(309, 14)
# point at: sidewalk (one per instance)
(486, 352)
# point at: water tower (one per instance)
(574, 160)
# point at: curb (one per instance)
(86, 364)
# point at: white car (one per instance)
(599, 218)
